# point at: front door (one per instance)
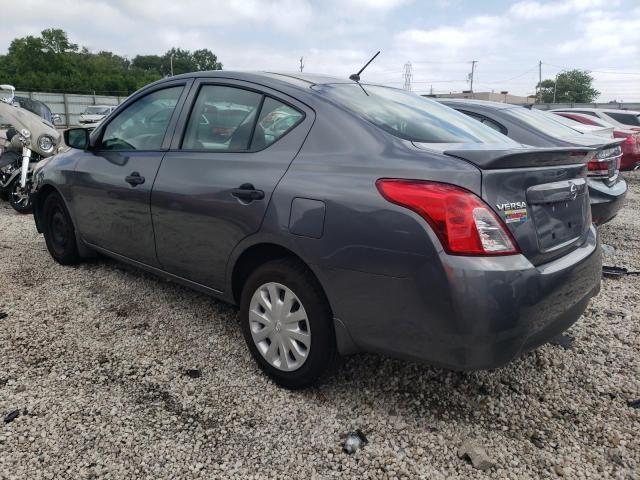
(214, 185)
(112, 181)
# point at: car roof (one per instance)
(293, 79)
(478, 103)
(590, 109)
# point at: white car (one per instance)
(626, 119)
(94, 114)
(606, 132)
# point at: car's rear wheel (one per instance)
(287, 323)
(59, 233)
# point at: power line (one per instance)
(593, 71)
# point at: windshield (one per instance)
(96, 110)
(543, 121)
(410, 116)
(626, 118)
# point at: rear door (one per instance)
(231, 148)
(112, 182)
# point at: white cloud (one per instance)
(607, 33)
(336, 37)
(380, 5)
(534, 10)
(481, 30)
(286, 15)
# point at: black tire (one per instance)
(19, 202)
(322, 352)
(59, 233)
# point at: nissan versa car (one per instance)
(339, 216)
(607, 188)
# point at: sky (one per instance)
(438, 37)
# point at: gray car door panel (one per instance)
(196, 217)
(112, 190)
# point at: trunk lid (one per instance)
(540, 194)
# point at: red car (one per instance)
(630, 159)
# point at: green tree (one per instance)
(572, 86)
(55, 40)
(50, 62)
(205, 60)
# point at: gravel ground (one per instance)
(96, 358)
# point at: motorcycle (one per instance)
(29, 140)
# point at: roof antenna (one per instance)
(356, 76)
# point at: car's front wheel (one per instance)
(58, 230)
(287, 323)
(19, 197)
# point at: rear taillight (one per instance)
(597, 168)
(464, 224)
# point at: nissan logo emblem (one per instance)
(573, 191)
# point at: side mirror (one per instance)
(56, 118)
(77, 138)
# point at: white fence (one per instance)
(69, 106)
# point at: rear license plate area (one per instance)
(558, 222)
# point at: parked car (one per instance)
(630, 146)
(39, 108)
(607, 188)
(629, 119)
(94, 114)
(373, 220)
(589, 129)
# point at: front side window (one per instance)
(626, 118)
(143, 124)
(222, 119)
(410, 116)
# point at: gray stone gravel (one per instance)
(95, 360)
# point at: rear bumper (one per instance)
(467, 312)
(606, 201)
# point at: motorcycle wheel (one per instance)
(19, 199)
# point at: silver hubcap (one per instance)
(279, 326)
(20, 196)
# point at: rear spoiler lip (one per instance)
(488, 158)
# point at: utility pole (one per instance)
(431, 90)
(407, 75)
(540, 81)
(472, 74)
(555, 88)
(171, 60)
(301, 64)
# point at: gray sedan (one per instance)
(339, 216)
(607, 188)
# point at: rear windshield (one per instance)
(626, 118)
(410, 116)
(543, 121)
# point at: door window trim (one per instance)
(171, 126)
(193, 97)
